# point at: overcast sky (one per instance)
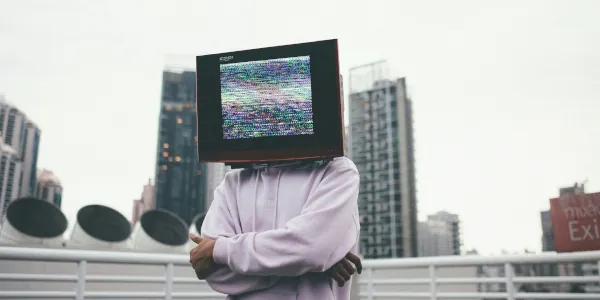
(506, 93)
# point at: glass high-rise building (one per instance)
(20, 139)
(381, 138)
(180, 179)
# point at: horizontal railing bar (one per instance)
(188, 280)
(548, 296)
(92, 256)
(93, 278)
(37, 277)
(565, 296)
(395, 295)
(36, 294)
(196, 295)
(466, 280)
(472, 260)
(152, 295)
(395, 281)
(437, 280)
(439, 295)
(470, 280)
(136, 279)
(499, 295)
(132, 295)
(556, 279)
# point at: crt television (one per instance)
(269, 105)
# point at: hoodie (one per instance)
(277, 229)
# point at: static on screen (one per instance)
(267, 98)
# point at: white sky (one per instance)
(506, 93)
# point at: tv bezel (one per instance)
(327, 139)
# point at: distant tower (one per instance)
(440, 235)
(382, 147)
(22, 136)
(180, 179)
(10, 174)
(49, 188)
(145, 203)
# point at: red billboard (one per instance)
(576, 222)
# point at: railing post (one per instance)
(432, 282)
(169, 281)
(597, 271)
(81, 273)
(510, 286)
(370, 283)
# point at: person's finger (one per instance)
(347, 266)
(355, 260)
(196, 239)
(339, 279)
(342, 271)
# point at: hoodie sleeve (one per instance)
(325, 231)
(219, 222)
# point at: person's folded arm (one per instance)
(220, 223)
(324, 232)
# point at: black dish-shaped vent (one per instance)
(104, 223)
(165, 227)
(36, 218)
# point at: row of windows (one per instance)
(181, 107)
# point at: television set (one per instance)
(270, 104)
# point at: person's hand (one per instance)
(342, 271)
(201, 257)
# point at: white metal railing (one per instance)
(370, 284)
(83, 257)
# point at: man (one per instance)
(281, 232)
(285, 225)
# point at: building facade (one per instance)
(440, 235)
(48, 187)
(29, 153)
(145, 203)
(180, 185)
(10, 176)
(382, 147)
(20, 139)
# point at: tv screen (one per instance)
(270, 104)
(266, 98)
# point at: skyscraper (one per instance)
(20, 138)
(440, 235)
(30, 148)
(180, 179)
(48, 187)
(381, 135)
(10, 174)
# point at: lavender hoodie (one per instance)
(279, 228)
